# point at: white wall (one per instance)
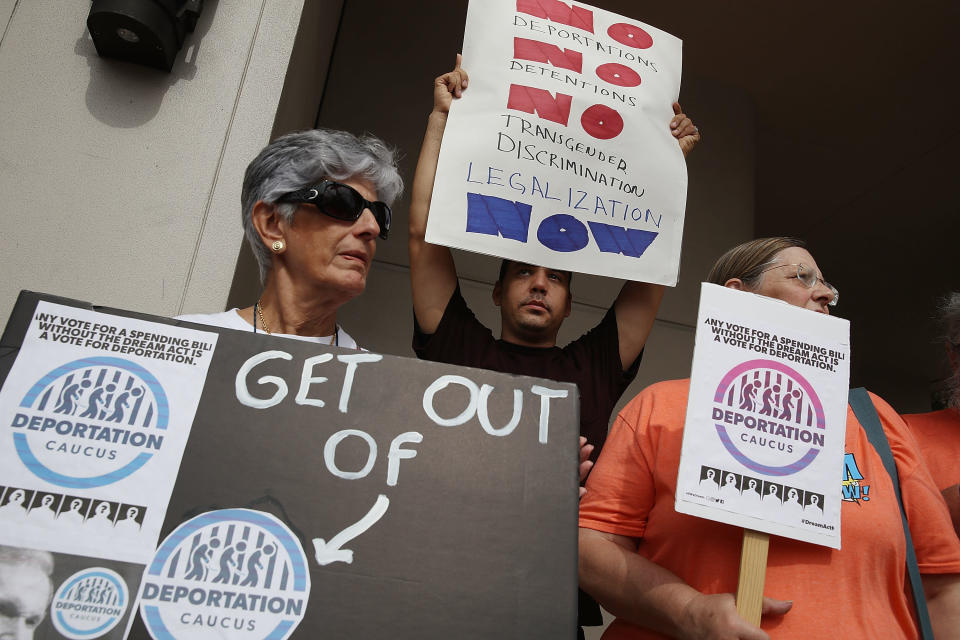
(121, 183)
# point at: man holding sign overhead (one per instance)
(559, 161)
(533, 301)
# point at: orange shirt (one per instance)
(857, 592)
(938, 434)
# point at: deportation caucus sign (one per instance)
(560, 153)
(95, 412)
(766, 417)
(322, 492)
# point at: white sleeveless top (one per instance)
(231, 320)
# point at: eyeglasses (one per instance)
(810, 278)
(342, 202)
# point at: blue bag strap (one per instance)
(867, 415)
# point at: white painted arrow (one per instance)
(329, 552)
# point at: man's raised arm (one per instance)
(433, 274)
(637, 304)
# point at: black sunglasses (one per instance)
(342, 202)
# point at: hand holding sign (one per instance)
(715, 616)
(585, 462)
(683, 129)
(448, 86)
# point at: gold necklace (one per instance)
(263, 323)
(334, 340)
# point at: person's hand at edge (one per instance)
(449, 86)
(682, 128)
(715, 617)
(585, 462)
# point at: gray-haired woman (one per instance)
(314, 203)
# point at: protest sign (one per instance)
(336, 493)
(766, 417)
(96, 411)
(560, 152)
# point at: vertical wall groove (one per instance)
(6, 25)
(216, 176)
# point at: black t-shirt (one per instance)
(592, 361)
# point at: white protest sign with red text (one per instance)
(560, 152)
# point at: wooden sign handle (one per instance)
(753, 573)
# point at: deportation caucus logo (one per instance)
(234, 573)
(768, 417)
(89, 603)
(101, 418)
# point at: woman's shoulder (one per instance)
(668, 396)
(664, 390)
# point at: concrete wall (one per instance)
(121, 183)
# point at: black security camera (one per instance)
(147, 32)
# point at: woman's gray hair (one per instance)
(302, 159)
(950, 317)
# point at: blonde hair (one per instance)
(746, 261)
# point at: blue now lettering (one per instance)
(497, 217)
(613, 239)
(560, 232)
(563, 233)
